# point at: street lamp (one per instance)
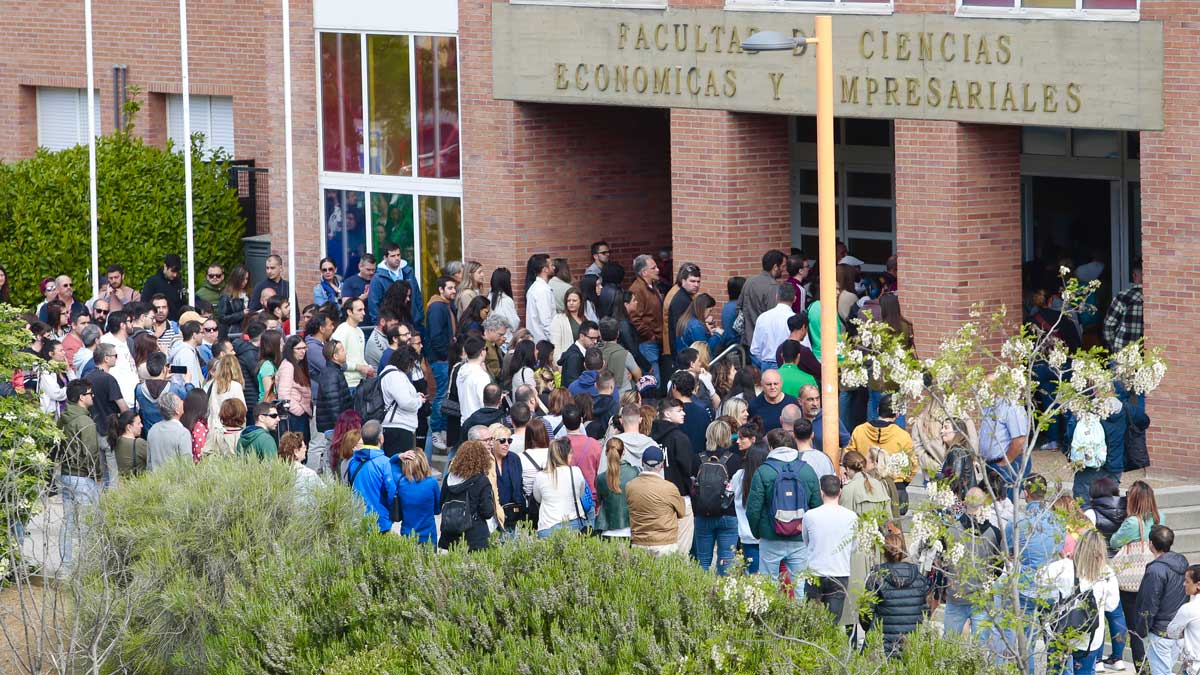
(768, 41)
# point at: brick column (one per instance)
(730, 196)
(551, 178)
(958, 223)
(1171, 247)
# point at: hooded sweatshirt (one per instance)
(257, 440)
(373, 483)
(635, 445)
(762, 491)
(677, 449)
(585, 384)
(891, 438)
(1160, 595)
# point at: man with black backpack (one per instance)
(781, 491)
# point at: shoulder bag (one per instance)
(1130, 562)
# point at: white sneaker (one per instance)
(1100, 668)
(1111, 665)
(439, 440)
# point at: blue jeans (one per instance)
(1081, 487)
(78, 494)
(1117, 630)
(1009, 474)
(575, 524)
(957, 616)
(794, 554)
(441, 375)
(1085, 662)
(721, 530)
(1162, 653)
(764, 365)
(651, 351)
(846, 408)
(1005, 640)
(750, 551)
(873, 399)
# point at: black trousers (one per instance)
(831, 591)
(397, 440)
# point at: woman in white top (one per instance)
(564, 327)
(521, 366)
(534, 455)
(52, 386)
(226, 384)
(1094, 574)
(401, 402)
(755, 454)
(558, 490)
(502, 297)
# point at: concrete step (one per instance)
(1181, 518)
(1172, 497)
(1187, 542)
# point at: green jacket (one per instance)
(209, 293)
(258, 441)
(613, 513)
(80, 454)
(762, 491)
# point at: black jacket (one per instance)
(172, 289)
(247, 356)
(606, 405)
(477, 491)
(484, 416)
(628, 338)
(1110, 513)
(900, 588)
(229, 314)
(1160, 595)
(678, 450)
(571, 363)
(333, 396)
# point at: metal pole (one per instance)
(826, 240)
(187, 155)
(91, 113)
(287, 156)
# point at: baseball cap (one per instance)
(647, 383)
(652, 457)
(851, 261)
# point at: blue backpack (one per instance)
(789, 500)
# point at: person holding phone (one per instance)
(185, 356)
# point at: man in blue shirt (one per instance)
(1003, 434)
(357, 285)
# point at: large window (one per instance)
(864, 183)
(62, 117)
(390, 155)
(1073, 9)
(212, 116)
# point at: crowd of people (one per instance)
(649, 413)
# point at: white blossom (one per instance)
(941, 496)
(955, 554)
(746, 596)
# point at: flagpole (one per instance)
(187, 154)
(287, 153)
(91, 114)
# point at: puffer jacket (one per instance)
(1160, 596)
(1110, 513)
(900, 588)
(333, 396)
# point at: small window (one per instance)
(211, 116)
(1073, 9)
(62, 117)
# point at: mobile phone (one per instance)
(179, 370)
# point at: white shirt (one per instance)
(744, 532)
(354, 340)
(1185, 627)
(557, 495)
(472, 378)
(123, 370)
(399, 399)
(829, 534)
(770, 331)
(818, 461)
(82, 356)
(183, 354)
(506, 308)
(539, 309)
(528, 470)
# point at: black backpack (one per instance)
(532, 507)
(1077, 613)
(368, 398)
(711, 491)
(457, 516)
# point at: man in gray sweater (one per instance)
(758, 295)
(168, 439)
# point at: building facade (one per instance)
(979, 140)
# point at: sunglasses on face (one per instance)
(272, 415)
(215, 276)
(210, 330)
(505, 441)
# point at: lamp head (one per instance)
(771, 41)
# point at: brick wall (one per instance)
(552, 179)
(730, 201)
(1170, 170)
(958, 222)
(234, 50)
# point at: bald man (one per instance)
(65, 292)
(770, 403)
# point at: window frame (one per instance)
(207, 119)
(1017, 12)
(81, 124)
(368, 183)
(814, 6)
(622, 4)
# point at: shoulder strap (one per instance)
(556, 429)
(356, 470)
(525, 454)
(574, 493)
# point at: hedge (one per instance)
(45, 226)
(223, 571)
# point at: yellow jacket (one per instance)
(891, 438)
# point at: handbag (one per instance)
(450, 406)
(1130, 562)
(580, 503)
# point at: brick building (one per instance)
(975, 137)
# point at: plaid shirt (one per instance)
(1124, 323)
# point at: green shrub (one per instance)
(45, 226)
(232, 576)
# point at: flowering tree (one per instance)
(1033, 373)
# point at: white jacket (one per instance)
(557, 496)
(1185, 627)
(561, 335)
(539, 309)
(399, 399)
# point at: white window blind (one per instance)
(211, 116)
(62, 117)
